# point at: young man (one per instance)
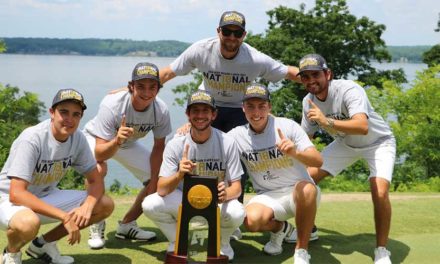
(123, 118)
(276, 152)
(203, 151)
(29, 197)
(342, 108)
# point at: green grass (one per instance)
(346, 231)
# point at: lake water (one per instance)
(95, 76)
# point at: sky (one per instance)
(408, 22)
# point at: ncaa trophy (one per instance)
(199, 198)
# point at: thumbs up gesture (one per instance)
(316, 115)
(185, 165)
(285, 145)
(124, 132)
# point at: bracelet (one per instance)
(330, 122)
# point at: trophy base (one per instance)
(172, 258)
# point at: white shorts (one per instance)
(135, 158)
(65, 200)
(280, 201)
(338, 156)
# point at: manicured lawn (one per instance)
(346, 230)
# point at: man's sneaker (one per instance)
(382, 256)
(11, 258)
(236, 235)
(275, 244)
(301, 256)
(49, 253)
(226, 250)
(133, 232)
(294, 236)
(96, 235)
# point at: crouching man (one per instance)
(276, 152)
(29, 197)
(193, 153)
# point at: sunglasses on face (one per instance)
(237, 33)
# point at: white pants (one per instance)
(281, 202)
(163, 211)
(65, 200)
(135, 158)
(338, 156)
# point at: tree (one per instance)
(415, 119)
(187, 88)
(2, 46)
(348, 44)
(16, 113)
(432, 56)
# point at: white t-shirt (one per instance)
(268, 168)
(106, 123)
(217, 157)
(227, 79)
(38, 158)
(345, 99)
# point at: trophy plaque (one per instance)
(199, 200)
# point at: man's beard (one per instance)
(231, 46)
(200, 129)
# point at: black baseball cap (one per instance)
(232, 18)
(312, 62)
(257, 91)
(145, 70)
(201, 97)
(69, 95)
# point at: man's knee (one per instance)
(26, 223)
(253, 220)
(152, 205)
(379, 188)
(305, 192)
(104, 207)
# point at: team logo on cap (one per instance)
(201, 96)
(310, 62)
(70, 94)
(233, 17)
(146, 70)
(256, 90)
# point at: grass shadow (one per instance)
(88, 258)
(332, 242)
(149, 247)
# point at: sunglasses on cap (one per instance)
(227, 32)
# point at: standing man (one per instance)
(38, 160)
(123, 118)
(342, 108)
(203, 151)
(276, 152)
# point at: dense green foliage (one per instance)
(432, 56)
(17, 111)
(106, 47)
(416, 124)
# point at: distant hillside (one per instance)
(100, 47)
(407, 53)
(161, 48)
